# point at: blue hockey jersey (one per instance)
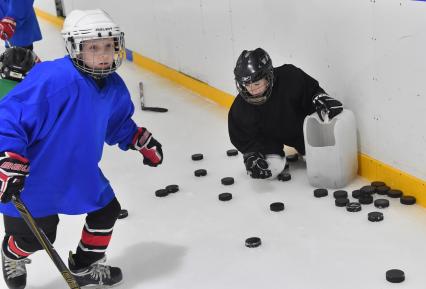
(59, 119)
(27, 28)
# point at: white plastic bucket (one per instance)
(331, 150)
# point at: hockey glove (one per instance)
(7, 28)
(148, 146)
(256, 166)
(325, 105)
(13, 171)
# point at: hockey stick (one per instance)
(44, 242)
(148, 108)
(6, 40)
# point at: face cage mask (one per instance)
(260, 99)
(118, 53)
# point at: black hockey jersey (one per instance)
(266, 128)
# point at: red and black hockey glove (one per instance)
(326, 105)
(13, 171)
(148, 146)
(7, 27)
(256, 166)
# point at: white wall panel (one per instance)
(401, 90)
(219, 56)
(367, 53)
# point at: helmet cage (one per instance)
(74, 46)
(242, 82)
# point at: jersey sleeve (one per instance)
(13, 137)
(243, 129)
(19, 10)
(121, 126)
(310, 88)
(23, 123)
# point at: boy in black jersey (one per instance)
(269, 111)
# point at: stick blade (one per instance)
(155, 109)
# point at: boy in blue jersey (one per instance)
(18, 23)
(53, 126)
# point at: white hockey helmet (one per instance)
(83, 25)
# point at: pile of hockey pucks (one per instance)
(364, 196)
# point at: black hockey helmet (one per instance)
(16, 62)
(252, 66)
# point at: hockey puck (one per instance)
(276, 207)
(394, 194)
(356, 194)
(365, 199)
(284, 177)
(382, 190)
(395, 276)
(172, 189)
(319, 193)
(341, 202)
(253, 242)
(123, 214)
(200, 173)
(161, 193)
(353, 207)
(225, 197)
(227, 181)
(340, 194)
(231, 153)
(407, 200)
(367, 190)
(292, 158)
(378, 184)
(381, 203)
(197, 157)
(375, 216)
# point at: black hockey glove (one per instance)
(256, 166)
(148, 146)
(13, 171)
(325, 105)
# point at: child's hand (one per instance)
(7, 28)
(13, 171)
(148, 146)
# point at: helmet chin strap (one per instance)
(93, 72)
